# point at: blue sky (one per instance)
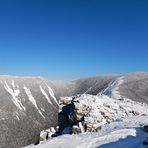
(70, 39)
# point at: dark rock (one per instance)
(145, 142)
(146, 128)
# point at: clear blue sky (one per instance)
(70, 39)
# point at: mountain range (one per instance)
(29, 105)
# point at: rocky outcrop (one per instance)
(88, 113)
(91, 112)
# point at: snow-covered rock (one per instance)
(47, 134)
(89, 113)
(124, 133)
(95, 111)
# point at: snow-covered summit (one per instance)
(30, 103)
(124, 133)
(108, 113)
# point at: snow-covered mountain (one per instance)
(28, 105)
(108, 116)
(134, 85)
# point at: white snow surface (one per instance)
(124, 133)
(112, 89)
(14, 93)
(45, 94)
(115, 109)
(32, 100)
(17, 116)
(12, 83)
(52, 93)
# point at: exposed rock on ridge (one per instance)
(31, 103)
(88, 113)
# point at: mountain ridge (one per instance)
(37, 95)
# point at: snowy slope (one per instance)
(108, 113)
(124, 133)
(29, 104)
(112, 89)
(134, 86)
